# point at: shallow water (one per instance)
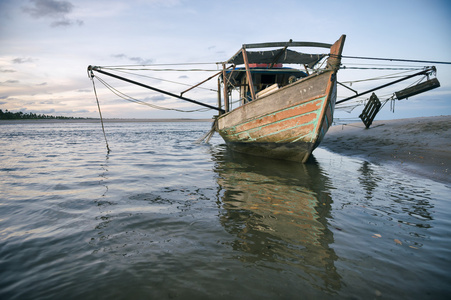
(161, 217)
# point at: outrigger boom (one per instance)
(98, 69)
(424, 72)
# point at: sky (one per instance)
(47, 45)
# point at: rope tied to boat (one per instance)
(206, 138)
(392, 59)
(91, 76)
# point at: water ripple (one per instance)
(161, 217)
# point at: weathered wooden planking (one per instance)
(294, 111)
(302, 91)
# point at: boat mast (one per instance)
(225, 91)
(248, 73)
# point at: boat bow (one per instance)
(289, 121)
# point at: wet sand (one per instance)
(417, 145)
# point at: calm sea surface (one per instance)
(161, 217)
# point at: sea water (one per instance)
(161, 217)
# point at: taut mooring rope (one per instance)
(100, 113)
(394, 59)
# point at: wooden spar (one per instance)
(306, 69)
(280, 54)
(194, 86)
(347, 87)
(248, 73)
(91, 68)
(292, 44)
(417, 89)
(225, 91)
(219, 94)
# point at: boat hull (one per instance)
(286, 124)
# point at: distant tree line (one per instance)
(7, 115)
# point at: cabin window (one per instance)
(268, 79)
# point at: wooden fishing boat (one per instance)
(284, 112)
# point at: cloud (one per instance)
(7, 82)
(52, 111)
(135, 59)
(141, 61)
(7, 71)
(61, 112)
(52, 9)
(45, 111)
(156, 98)
(121, 55)
(66, 23)
(49, 8)
(51, 102)
(23, 60)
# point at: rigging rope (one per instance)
(206, 138)
(380, 64)
(131, 99)
(391, 76)
(392, 59)
(374, 68)
(169, 64)
(160, 79)
(100, 112)
(155, 69)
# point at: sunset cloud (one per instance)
(57, 11)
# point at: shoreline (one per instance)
(420, 146)
(417, 145)
(97, 120)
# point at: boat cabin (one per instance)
(265, 79)
(266, 70)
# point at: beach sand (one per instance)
(418, 145)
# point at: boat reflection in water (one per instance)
(278, 212)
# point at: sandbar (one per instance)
(417, 145)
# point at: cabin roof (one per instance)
(286, 56)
